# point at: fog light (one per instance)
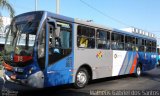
(30, 71)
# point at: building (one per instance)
(139, 31)
(142, 32)
(4, 22)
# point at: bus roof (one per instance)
(97, 25)
(91, 24)
(57, 16)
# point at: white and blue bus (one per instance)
(43, 49)
(158, 55)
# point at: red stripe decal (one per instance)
(133, 64)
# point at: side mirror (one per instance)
(54, 24)
(57, 31)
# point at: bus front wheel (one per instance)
(81, 78)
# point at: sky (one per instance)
(142, 14)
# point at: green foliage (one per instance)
(6, 5)
(1, 59)
(1, 24)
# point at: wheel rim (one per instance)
(81, 78)
(138, 71)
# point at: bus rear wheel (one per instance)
(138, 71)
(81, 79)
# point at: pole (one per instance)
(36, 5)
(57, 6)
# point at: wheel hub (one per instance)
(138, 71)
(81, 78)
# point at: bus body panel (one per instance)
(148, 60)
(125, 62)
(113, 62)
(122, 61)
(100, 61)
(60, 72)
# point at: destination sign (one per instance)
(65, 25)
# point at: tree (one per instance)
(5, 4)
(1, 24)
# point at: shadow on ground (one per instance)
(66, 90)
(8, 88)
(12, 89)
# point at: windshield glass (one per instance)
(21, 35)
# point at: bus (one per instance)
(44, 49)
(158, 55)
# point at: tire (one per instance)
(138, 72)
(81, 79)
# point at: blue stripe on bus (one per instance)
(123, 65)
(130, 62)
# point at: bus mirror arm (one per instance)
(52, 22)
(57, 31)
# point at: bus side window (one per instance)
(117, 41)
(148, 48)
(86, 37)
(130, 43)
(136, 44)
(103, 39)
(133, 44)
(61, 44)
(113, 45)
(154, 46)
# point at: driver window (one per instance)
(59, 45)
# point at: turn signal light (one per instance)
(7, 67)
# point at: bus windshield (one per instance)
(21, 37)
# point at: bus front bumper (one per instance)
(35, 80)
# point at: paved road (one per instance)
(149, 81)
